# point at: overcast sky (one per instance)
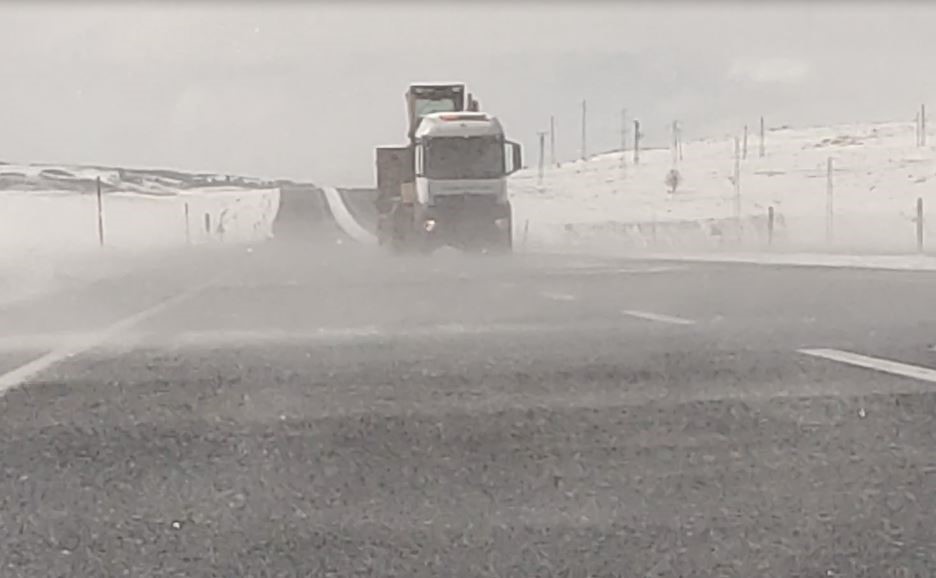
(306, 90)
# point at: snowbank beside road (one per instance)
(47, 237)
(66, 222)
(878, 175)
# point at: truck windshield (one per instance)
(465, 158)
(424, 106)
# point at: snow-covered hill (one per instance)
(878, 175)
(43, 177)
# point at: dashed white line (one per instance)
(582, 271)
(659, 317)
(558, 296)
(875, 363)
(83, 342)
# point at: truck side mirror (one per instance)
(516, 157)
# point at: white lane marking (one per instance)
(875, 363)
(345, 219)
(612, 271)
(558, 296)
(84, 342)
(650, 316)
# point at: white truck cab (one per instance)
(448, 185)
(463, 153)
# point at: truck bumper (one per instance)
(467, 222)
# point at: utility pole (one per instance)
(920, 225)
(542, 155)
(636, 142)
(679, 140)
(744, 148)
(737, 183)
(188, 230)
(100, 213)
(761, 137)
(552, 140)
(584, 133)
(922, 125)
(830, 211)
(675, 136)
(623, 138)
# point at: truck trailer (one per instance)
(448, 186)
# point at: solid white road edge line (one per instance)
(38, 341)
(649, 316)
(877, 364)
(345, 219)
(86, 342)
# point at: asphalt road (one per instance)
(321, 409)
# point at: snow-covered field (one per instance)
(48, 235)
(878, 175)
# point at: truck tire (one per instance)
(397, 228)
(503, 243)
(503, 238)
(406, 238)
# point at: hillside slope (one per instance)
(878, 175)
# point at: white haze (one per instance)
(306, 90)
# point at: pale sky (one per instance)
(306, 90)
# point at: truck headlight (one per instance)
(430, 225)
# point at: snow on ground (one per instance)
(47, 236)
(879, 173)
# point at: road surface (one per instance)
(321, 409)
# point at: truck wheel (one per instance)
(400, 230)
(411, 242)
(503, 236)
(504, 245)
(503, 241)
